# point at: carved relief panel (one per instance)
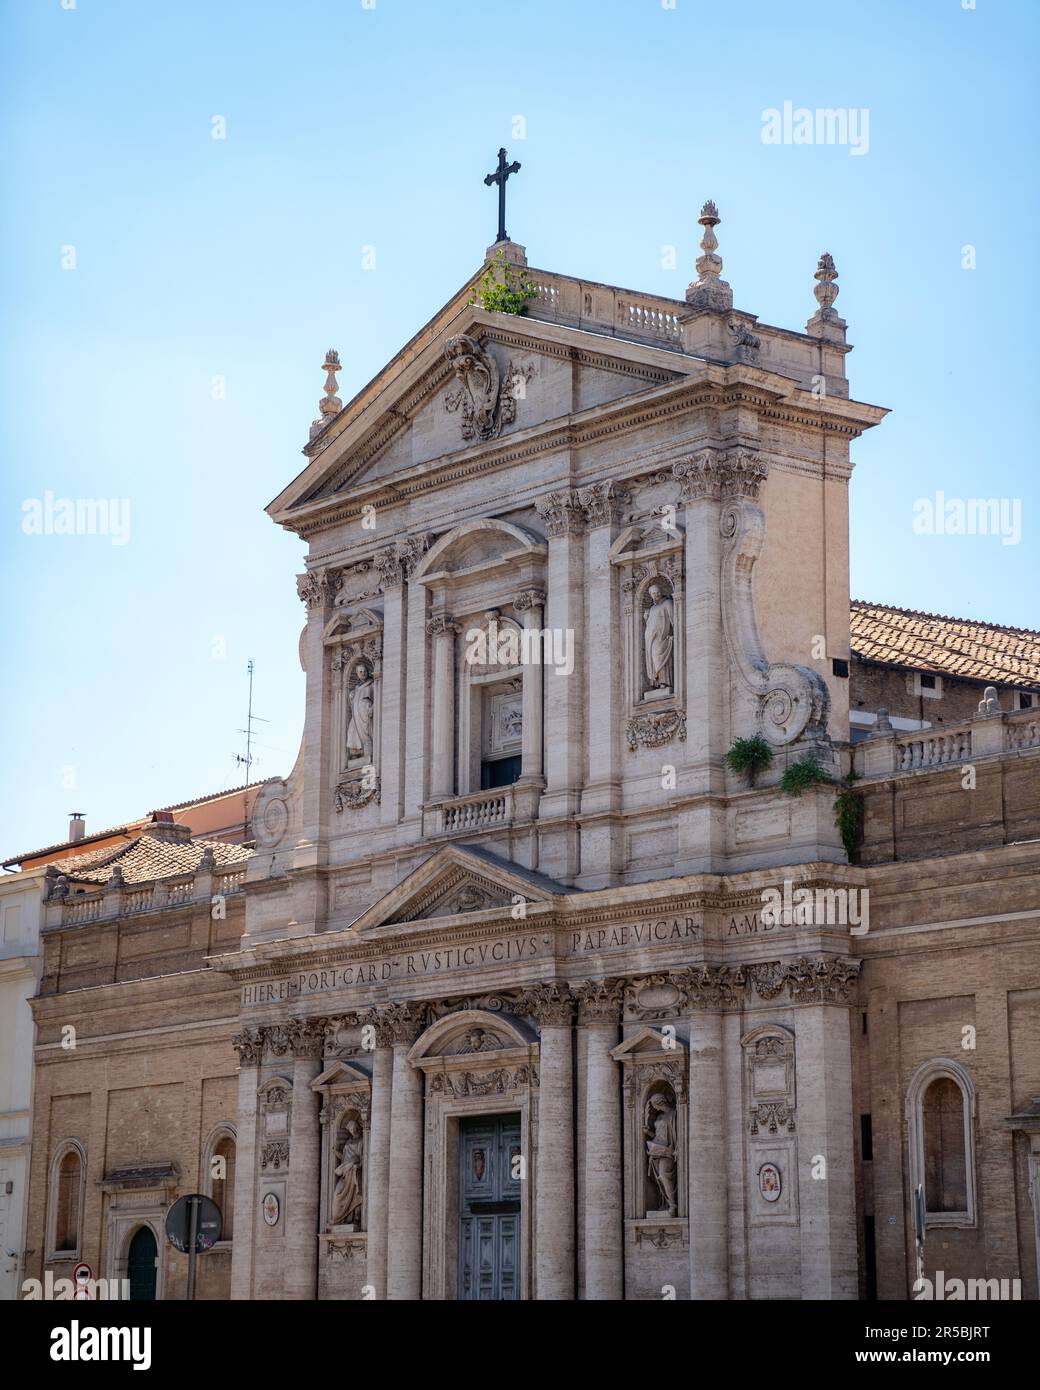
(771, 1143)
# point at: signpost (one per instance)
(193, 1223)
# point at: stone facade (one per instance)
(505, 1013)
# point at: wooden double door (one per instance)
(489, 1207)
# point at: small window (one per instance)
(840, 667)
(945, 1165)
(1026, 699)
(866, 1138)
(65, 1201)
(502, 772)
(927, 682)
(941, 1132)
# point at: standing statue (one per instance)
(362, 706)
(658, 639)
(659, 1129)
(346, 1199)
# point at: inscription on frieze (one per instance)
(483, 955)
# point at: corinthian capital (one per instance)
(397, 1023)
(561, 513)
(529, 598)
(318, 586)
(550, 1005)
(249, 1044)
(601, 503)
(599, 1001)
(306, 1036)
(699, 476)
(743, 472)
(440, 624)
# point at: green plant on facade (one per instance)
(849, 815)
(750, 756)
(503, 289)
(806, 772)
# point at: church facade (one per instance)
(528, 989)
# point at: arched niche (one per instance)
(480, 546)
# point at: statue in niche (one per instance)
(346, 1199)
(659, 1130)
(658, 640)
(362, 707)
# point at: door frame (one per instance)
(488, 1117)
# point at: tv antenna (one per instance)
(251, 719)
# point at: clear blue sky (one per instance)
(350, 127)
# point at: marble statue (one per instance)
(362, 705)
(346, 1199)
(659, 1129)
(658, 639)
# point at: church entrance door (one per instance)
(140, 1265)
(489, 1207)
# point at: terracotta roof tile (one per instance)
(147, 858)
(948, 646)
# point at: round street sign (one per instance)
(178, 1223)
(81, 1277)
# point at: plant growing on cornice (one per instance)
(750, 756)
(503, 289)
(849, 815)
(806, 772)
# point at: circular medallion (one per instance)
(272, 1209)
(769, 1183)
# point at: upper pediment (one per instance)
(471, 380)
(458, 879)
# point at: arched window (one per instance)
(941, 1132)
(65, 1201)
(219, 1176)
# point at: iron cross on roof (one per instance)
(499, 176)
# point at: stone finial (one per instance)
(989, 704)
(826, 322)
(330, 404)
(882, 725)
(709, 291)
(208, 862)
(116, 879)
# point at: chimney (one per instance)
(77, 826)
(162, 826)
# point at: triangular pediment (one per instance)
(470, 380)
(341, 1073)
(459, 880)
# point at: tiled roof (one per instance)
(948, 646)
(147, 858)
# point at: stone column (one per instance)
(707, 1167)
(404, 1220)
(701, 828)
(529, 604)
(564, 520)
(249, 1045)
(390, 755)
(442, 781)
(304, 1191)
(317, 588)
(599, 1015)
(378, 1160)
(823, 1072)
(551, 1006)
